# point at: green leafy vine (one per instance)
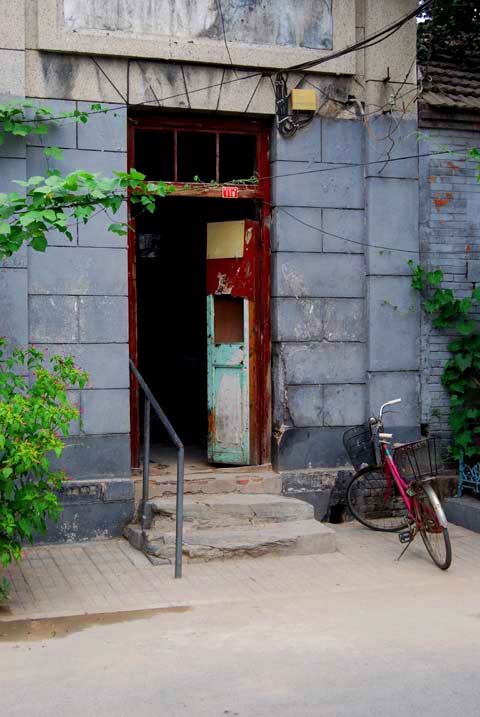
(461, 375)
(56, 201)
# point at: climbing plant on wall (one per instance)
(54, 200)
(461, 374)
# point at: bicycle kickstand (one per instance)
(397, 560)
(407, 537)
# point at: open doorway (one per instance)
(172, 318)
(174, 308)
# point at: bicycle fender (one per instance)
(438, 506)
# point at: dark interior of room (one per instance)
(171, 307)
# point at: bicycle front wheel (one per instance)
(375, 501)
(429, 522)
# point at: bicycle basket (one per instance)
(417, 460)
(358, 442)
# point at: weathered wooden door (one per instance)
(231, 336)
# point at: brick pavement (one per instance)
(111, 576)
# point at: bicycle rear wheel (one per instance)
(375, 501)
(430, 517)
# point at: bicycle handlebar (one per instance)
(389, 403)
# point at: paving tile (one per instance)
(65, 580)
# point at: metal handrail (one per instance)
(150, 400)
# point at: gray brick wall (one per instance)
(78, 296)
(450, 239)
(345, 321)
(318, 290)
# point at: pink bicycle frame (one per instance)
(391, 471)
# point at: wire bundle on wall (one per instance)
(287, 123)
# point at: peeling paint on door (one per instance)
(228, 394)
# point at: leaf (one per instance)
(118, 229)
(465, 327)
(39, 243)
(53, 152)
(50, 215)
(5, 228)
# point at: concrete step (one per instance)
(299, 537)
(204, 512)
(240, 481)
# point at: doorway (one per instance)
(168, 275)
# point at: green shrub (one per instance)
(35, 417)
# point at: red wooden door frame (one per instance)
(259, 192)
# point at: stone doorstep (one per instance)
(211, 471)
(302, 537)
(226, 510)
(267, 482)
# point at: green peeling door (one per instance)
(231, 273)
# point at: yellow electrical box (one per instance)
(303, 101)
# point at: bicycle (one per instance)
(394, 494)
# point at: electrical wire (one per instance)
(366, 245)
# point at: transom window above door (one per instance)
(183, 155)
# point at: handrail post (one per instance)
(150, 400)
(179, 511)
(146, 461)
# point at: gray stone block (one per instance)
(93, 456)
(73, 159)
(305, 404)
(53, 319)
(106, 411)
(386, 386)
(336, 187)
(279, 409)
(394, 324)
(14, 306)
(297, 319)
(348, 223)
(18, 260)
(290, 234)
(70, 76)
(473, 271)
(342, 141)
(325, 362)
(56, 238)
(345, 320)
(390, 139)
(303, 146)
(103, 131)
(464, 511)
(92, 509)
(12, 146)
(10, 170)
(79, 270)
(392, 223)
(95, 232)
(310, 448)
(62, 132)
(106, 364)
(103, 319)
(344, 405)
(318, 275)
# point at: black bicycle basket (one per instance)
(417, 460)
(358, 442)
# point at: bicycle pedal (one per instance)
(405, 537)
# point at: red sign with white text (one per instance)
(230, 192)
